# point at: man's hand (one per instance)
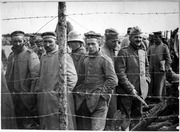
(133, 92)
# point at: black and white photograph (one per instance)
(108, 65)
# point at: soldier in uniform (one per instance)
(39, 43)
(132, 71)
(160, 62)
(76, 43)
(111, 43)
(48, 90)
(33, 45)
(22, 72)
(109, 49)
(96, 80)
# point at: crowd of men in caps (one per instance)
(98, 78)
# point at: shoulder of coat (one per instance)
(30, 51)
(105, 57)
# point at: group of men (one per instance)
(95, 76)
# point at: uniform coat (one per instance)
(76, 55)
(21, 76)
(96, 76)
(113, 103)
(132, 71)
(48, 98)
(156, 54)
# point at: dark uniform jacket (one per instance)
(132, 70)
(96, 76)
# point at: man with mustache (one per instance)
(22, 72)
(132, 70)
(48, 91)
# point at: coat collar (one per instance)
(137, 47)
(53, 51)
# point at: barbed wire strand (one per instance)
(46, 24)
(90, 56)
(79, 24)
(94, 13)
(85, 93)
(92, 75)
(67, 114)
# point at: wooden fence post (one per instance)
(61, 39)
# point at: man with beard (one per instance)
(48, 90)
(22, 72)
(132, 71)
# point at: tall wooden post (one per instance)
(61, 37)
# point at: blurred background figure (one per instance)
(160, 62)
(7, 106)
(40, 47)
(76, 44)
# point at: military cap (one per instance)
(151, 34)
(17, 33)
(49, 35)
(135, 31)
(111, 33)
(92, 34)
(129, 28)
(158, 33)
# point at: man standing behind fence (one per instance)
(48, 91)
(132, 71)
(109, 49)
(160, 62)
(96, 80)
(22, 72)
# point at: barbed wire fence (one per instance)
(68, 15)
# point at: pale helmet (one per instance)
(75, 36)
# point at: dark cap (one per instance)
(49, 35)
(158, 33)
(111, 33)
(135, 31)
(92, 34)
(129, 28)
(17, 33)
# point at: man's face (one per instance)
(39, 45)
(49, 44)
(136, 39)
(112, 43)
(92, 45)
(32, 40)
(18, 42)
(151, 38)
(157, 39)
(74, 45)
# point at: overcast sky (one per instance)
(98, 22)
